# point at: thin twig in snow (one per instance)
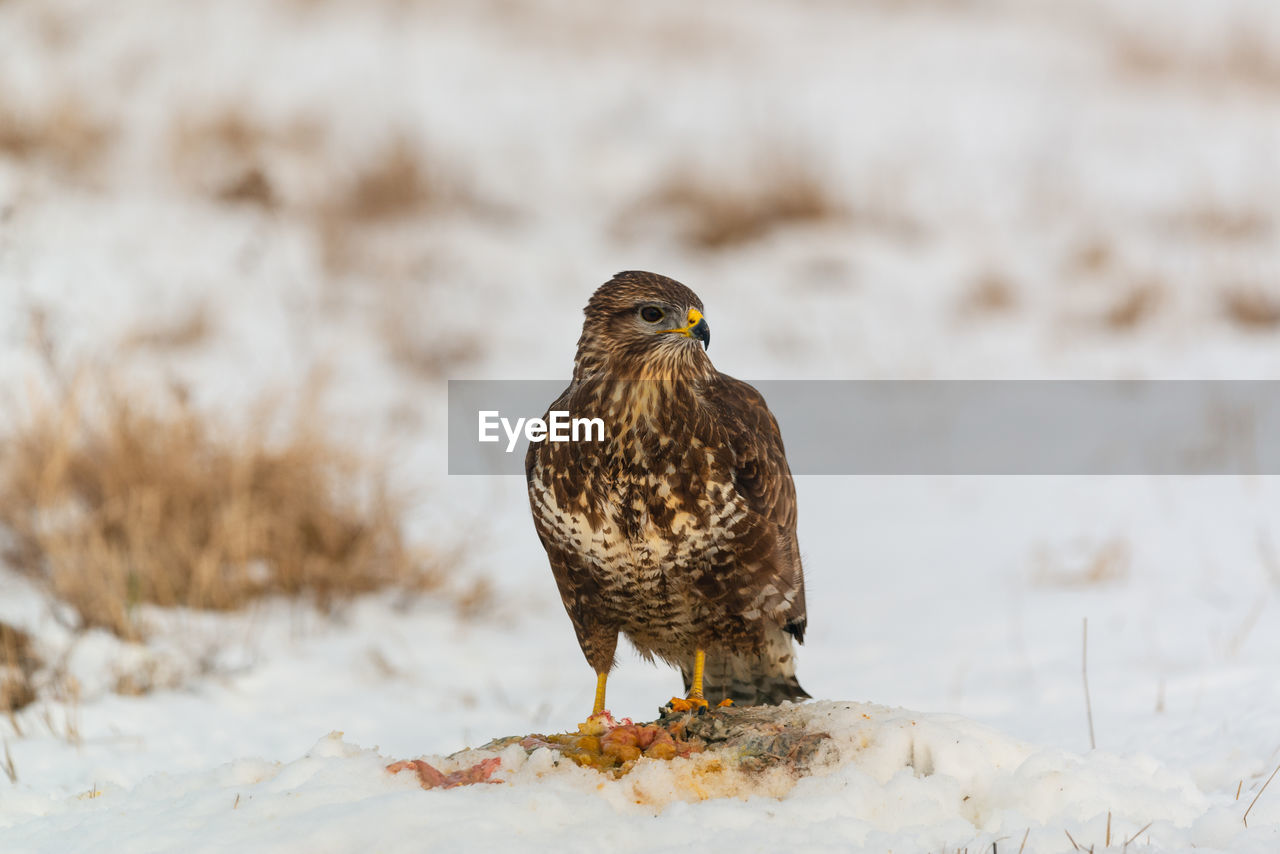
(1255, 797)
(1267, 551)
(1084, 671)
(1024, 840)
(1135, 836)
(1246, 626)
(9, 769)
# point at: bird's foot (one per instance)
(680, 705)
(687, 704)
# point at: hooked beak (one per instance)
(696, 328)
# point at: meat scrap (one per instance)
(431, 778)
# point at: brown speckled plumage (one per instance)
(679, 529)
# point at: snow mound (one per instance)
(886, 769)
(867, 778)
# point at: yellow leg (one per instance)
(695, 699)
(699, 667)
(601, 679)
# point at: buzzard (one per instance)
(679, 528)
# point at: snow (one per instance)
(1079, 151)
(888, 778)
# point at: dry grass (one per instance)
(229, 156)
(1220, 222)
(111, 504)
(10, 770)
(356, 208)
(18, 663)
(426, 356)
(1082, 565)
(1251, 308)
(1243, 58)
(397, 184)
(990, 293)
(1135, 306)
(63, 134)
(394, 183)
(252, 188)
(715, 213)
(423, 350)
(182, 332)
(1093, 256)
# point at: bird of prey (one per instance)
(679, 528)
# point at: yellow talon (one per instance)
(695, 700)
(724, 704)
(687, 704)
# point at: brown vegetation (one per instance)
(715, 213)
(1134, 307)
(394, 183)
(228, 156)
(111, 504)
(1092, 256)
(1215, 221)
(1084, 565)
(356, 207)
(187, 330)
(18, 663)
(418, 347)
(1243, 58)
(232, 157)
(990, 293)
(63, 134)
(1251, 308)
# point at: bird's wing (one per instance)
(763, 478)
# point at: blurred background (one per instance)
(245, 243)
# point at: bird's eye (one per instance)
(651, 314)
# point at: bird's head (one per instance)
(642, 325)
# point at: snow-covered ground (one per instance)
(1039, 189)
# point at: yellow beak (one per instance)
(695, 327)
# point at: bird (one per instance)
(677, 528)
